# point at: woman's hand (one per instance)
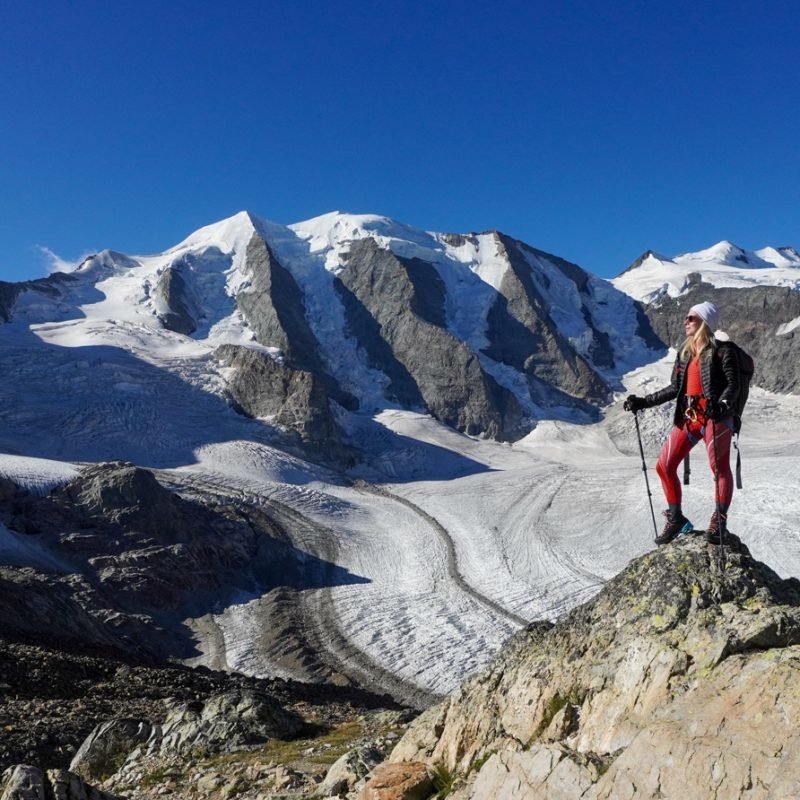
(634, 403)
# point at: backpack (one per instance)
(746, 368)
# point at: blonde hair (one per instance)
(700, 344)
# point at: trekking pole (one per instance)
(720, 516)
(644, 469)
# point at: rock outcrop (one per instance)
(174, 303)
(24, 782)
(680, 679)
(757, 319)
(275, 309)
(132, 559)
(297, 400)
(405, 298)
(523, 335)
(349, 770)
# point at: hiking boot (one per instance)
(676, 523)
(717, 531)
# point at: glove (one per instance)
(634, 403)
(717, 409)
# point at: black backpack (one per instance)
(746, 368)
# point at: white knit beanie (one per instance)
(708, 312)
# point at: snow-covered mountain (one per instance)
(408, 560)
(482, 331)
(724, 264)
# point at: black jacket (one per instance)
(719, 372)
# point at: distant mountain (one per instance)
(758, 294)
(724, 264)
(306, 323)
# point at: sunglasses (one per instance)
(691, 318)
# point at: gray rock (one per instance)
(676, 675)
(107, 746)
(224, 723)
(65, 785)
(23, 782)
(405, 298)
(128, 496)
(274, 308)
(751, 317)
(348, 770)
(298, 400)
(174, 301)
(522, 333)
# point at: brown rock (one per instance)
(405, 781)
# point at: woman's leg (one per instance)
(679, 442)
(723, 493)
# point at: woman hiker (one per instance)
(705, 381)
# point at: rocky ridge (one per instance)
(128, 565)
(759, 319)
(680, 679)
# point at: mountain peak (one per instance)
(724, 253)
(228, 234)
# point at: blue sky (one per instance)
(593, 130)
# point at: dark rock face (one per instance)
(51, 287)
(274, 308)
(297, 399)
(523, 335)
(172, 293)
(405, 298)
(135, 559)
(362, 326)
(8, 294)
(751, 317)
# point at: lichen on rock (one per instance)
(680, 669)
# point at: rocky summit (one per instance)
(680, 679)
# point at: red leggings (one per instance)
(677, 447)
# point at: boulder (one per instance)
(107, 746)
(23, 782)
(409, 780)
(224, 723)
(348, 770)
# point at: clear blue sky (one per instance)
(594, 130)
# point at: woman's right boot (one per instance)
(676, 523)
